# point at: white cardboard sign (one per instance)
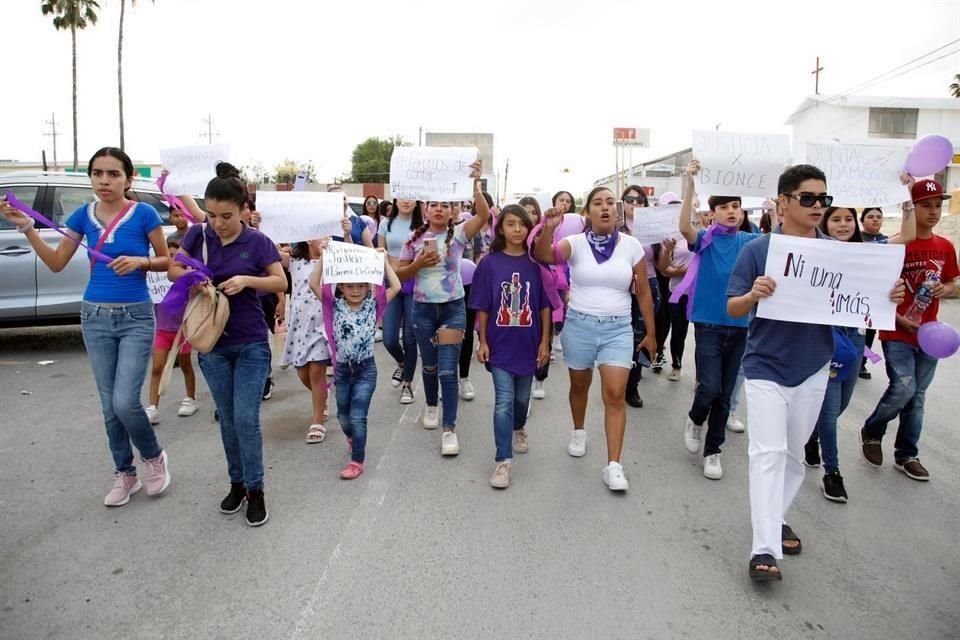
(843, 284)
(158, 285)
(651, 225)
(739, 164)
(191, 168)
(860, 175)
(297, 216)
(432, 173)
(345, 262)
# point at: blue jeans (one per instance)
(511, 396)
(440, 361)
(910, 371)
(119, 342)
(718, 354)
(400, 313)
(354, 384)
(236, 375)
(835, 402)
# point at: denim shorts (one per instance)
(597, 340)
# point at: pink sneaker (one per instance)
(124, 486)
(158, 475)
(352, 471)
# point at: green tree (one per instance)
(123, 11)
(72, 15)
(371, 159)
(955, 86)
(287, 171)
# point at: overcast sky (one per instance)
(550, 78)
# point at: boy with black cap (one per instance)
(929, 260)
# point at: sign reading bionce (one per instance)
(843, 284)
(158, 285)
(344, 262)
(739, 164)
(860, 175)
(432, 173)
(297, 216)
(652, 225)
(191, 168)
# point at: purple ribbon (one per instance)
(175, 302)
(871, 356)
(174, 201)
(42, 219)
(688, 286)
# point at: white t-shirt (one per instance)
(602, 289)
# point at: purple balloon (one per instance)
(372, 226)
(929, 155)
(467, 267)
(938, 339)
(572, 224)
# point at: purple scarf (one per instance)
(170, 311)
(602, 246)
(688, 286)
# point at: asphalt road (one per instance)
(422, 547)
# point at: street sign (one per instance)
(629, 137)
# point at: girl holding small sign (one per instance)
(431, 258)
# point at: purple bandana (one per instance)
(602, 246)
(688, 285)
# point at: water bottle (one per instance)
(922, 300)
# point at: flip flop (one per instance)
(316, 434)
(764, 575)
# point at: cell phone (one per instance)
(643, 358)
(430, 245)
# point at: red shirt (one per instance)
(924, 258)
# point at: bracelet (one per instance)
(26, 226)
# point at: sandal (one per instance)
(316, 434)
(787, 535)
(764, 575)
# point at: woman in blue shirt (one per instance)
(116, 315)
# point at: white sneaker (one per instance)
(557, 345)
(406, 394)
(187, 408)
(712, 468)
(613, 476)
(578, 443)
(735, 425)
(153, 414)
(449, 445)
(378, 335)
(537, 390)
(467, 392)
(501, 475)
(431, 417)
(691, 436)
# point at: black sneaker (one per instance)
(864, 374)
(397, 378)
(268, 389)
(659, 363)
(234, 499)
(633, 398)
(811, 454)
(833, 487)
(256, 509)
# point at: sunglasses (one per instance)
(809, 199)
(634, 200)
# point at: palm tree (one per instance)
(72, 15)
(123, 7)
(955, 86)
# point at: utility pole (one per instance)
(816, 72)
(53, 133)
(420, 143)
(209, 135)
(506, 176)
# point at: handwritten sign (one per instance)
(432, 173)
(158, 285)
(739, 164)
(191, 168)
(843, 284)
(297, 216)
(344, 262)
(651, 225)
(860, 175)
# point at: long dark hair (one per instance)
(573, 201)
(376, 209)
(856, 237)
(416, 216)
(530, 200)
(499, 239)
(639, 190)
(300, 251)
(586, 205)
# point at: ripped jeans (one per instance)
(440, 361)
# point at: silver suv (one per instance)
(31, 294)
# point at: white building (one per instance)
(881, 121)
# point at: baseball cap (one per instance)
(669, 198)
(927, 189)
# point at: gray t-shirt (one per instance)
(786, 353)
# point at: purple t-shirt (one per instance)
(509, 288)
(249, 255)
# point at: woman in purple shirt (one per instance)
(236, 369)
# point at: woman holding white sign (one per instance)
(431, 258)
(598, 332)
